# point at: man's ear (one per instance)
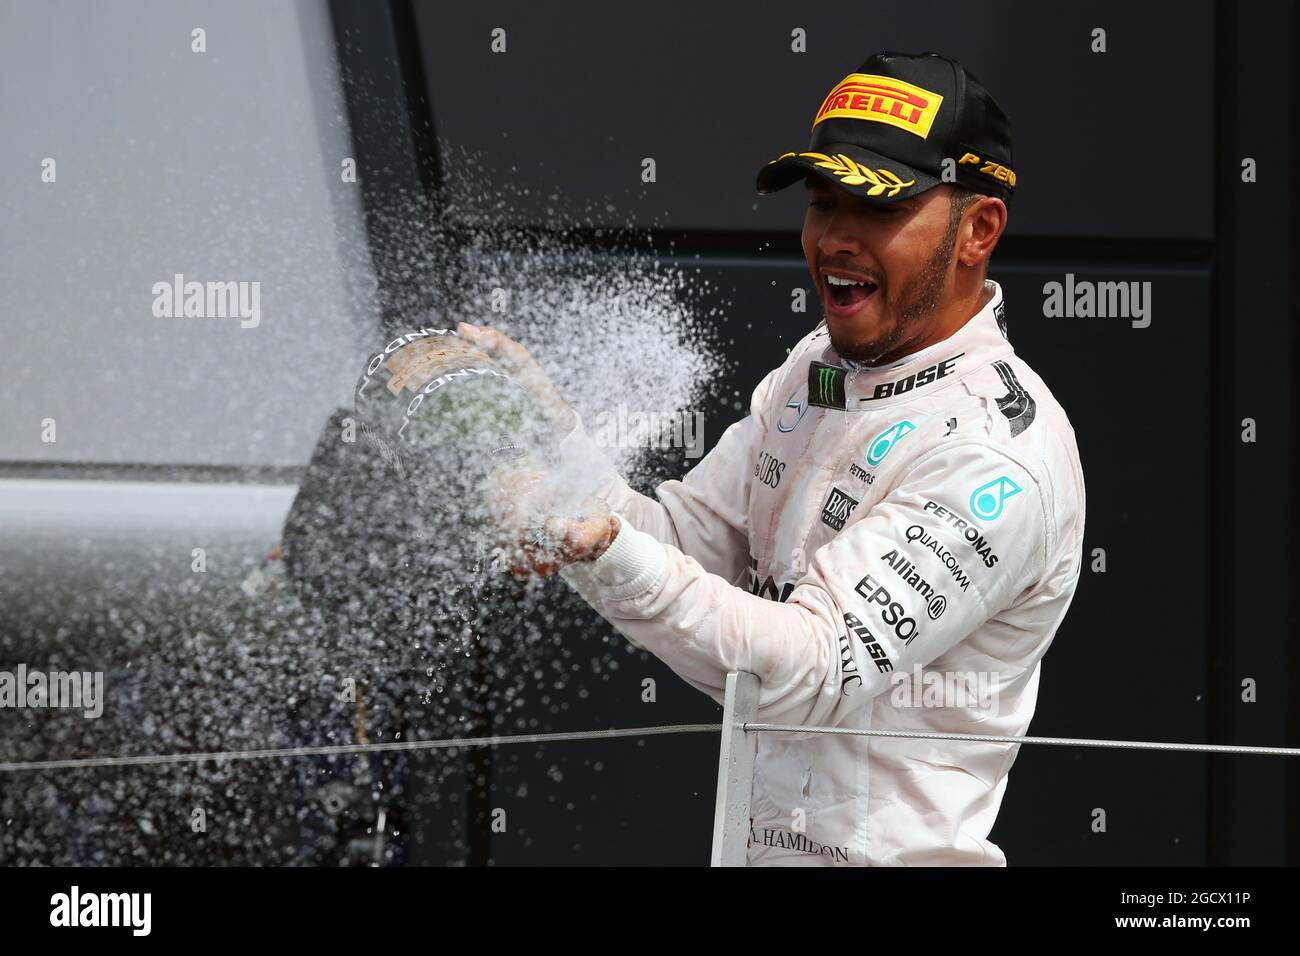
(982, 226)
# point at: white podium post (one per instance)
(735, 771)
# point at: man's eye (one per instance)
(819, 203)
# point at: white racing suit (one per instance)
(886, 548)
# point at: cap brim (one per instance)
(859, 171)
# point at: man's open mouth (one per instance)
(847, 293)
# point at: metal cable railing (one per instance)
(449, 743)
(735, 762)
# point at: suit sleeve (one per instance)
(705, 515)
(967, 515)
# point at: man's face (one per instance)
(899, 256)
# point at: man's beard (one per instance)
(918, 299)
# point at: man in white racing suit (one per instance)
(892, 536)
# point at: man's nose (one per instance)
(840, 237)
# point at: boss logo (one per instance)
(837, 509)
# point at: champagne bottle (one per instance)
(440, 409)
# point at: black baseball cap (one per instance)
(885, 131)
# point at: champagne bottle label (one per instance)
(412, 366)
(444, 398)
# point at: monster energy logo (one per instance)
(825, 385)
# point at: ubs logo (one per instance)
(768, 470)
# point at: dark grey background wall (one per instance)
(577, 101)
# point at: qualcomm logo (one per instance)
(987, 501)
(800, 408)
(883, 443)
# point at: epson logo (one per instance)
(891, 612)
(914, 381)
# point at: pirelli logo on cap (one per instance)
(881, 99)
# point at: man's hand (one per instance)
(534, 541)
(514, 359)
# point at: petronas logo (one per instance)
(988, 500)
(883, 443)
(825, 385)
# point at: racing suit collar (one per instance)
(978, 342)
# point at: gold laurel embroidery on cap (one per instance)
(853, 173)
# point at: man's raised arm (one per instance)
(850, 622)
